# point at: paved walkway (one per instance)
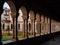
(54, 41)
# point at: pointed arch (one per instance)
(6, 5)
(24, 12)
(12, 7)
(31, 13)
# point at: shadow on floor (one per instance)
(49, 39)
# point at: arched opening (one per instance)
(22, 24)
(9, 13)
(6, 21)
(31, 24)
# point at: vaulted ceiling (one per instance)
(50, 7)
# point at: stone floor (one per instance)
(54, 41)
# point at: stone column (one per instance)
(32, 18)
(2, 27)
(38, 23)
(53, 26)
(26, 28)
(56, 28)
(25, 25)
(46, 25)
(1, 11)
(13, 25)
(42, 25)
(32, 26)
(14, 29)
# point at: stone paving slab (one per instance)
(54, 41)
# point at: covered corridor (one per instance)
(26, 20)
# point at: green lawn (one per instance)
(20, 35)
(5, 38)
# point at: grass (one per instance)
(20, 35)
(5, 38)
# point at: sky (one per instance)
(6, 5)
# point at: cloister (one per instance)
(24, 21)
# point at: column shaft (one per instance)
(1, 10)
(14, 29)
(26, 28)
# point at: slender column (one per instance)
(0, 31)
(1, 10)
(38, 23)
(46, 25)
(25, 25)
(32, 18)
(32, 26)
(50, 25)
(42, 25)
(14, 29)
(56, 26)
(26, 28)
(53, 26)
(38, 27)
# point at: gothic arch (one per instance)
(32, 19)
(24, 12)
(31, 13)
(12, 7)
(13, 15)
(37, 17)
